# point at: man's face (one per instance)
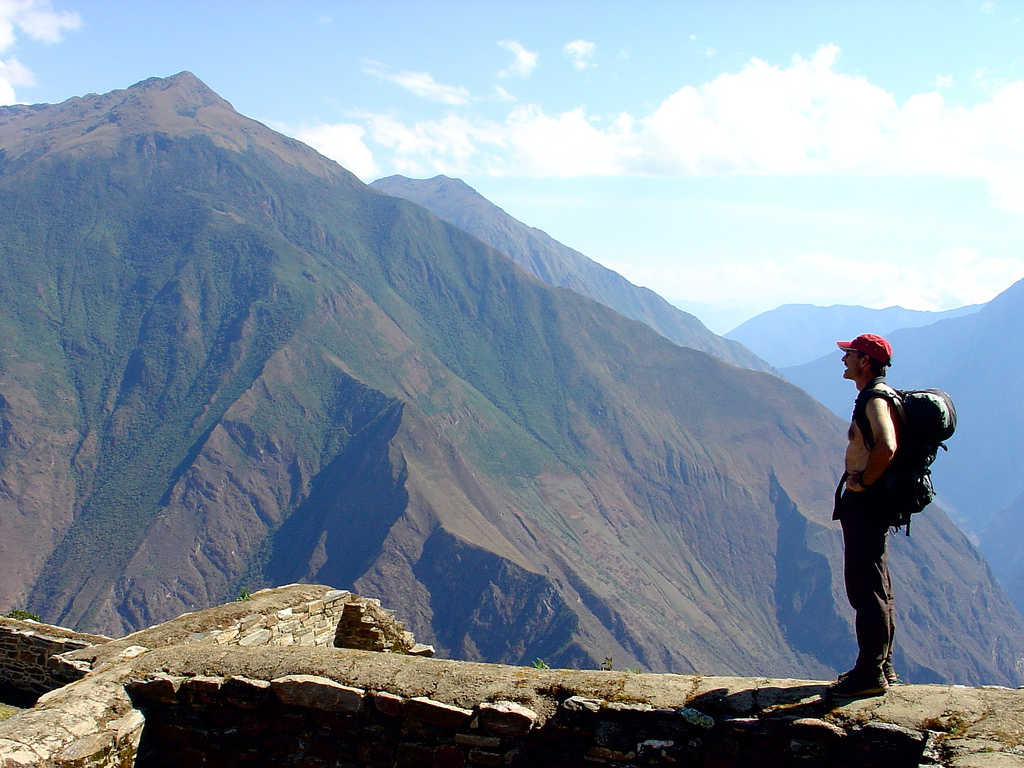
(854, 362)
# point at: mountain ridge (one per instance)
(556, 264)
(794, 334)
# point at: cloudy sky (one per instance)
(740, 154)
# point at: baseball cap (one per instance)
(871, 345)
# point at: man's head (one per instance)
(867, 354)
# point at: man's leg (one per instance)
(868, 586)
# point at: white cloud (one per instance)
(523, 63)
(566, 145)
(343, 143)
(953, 279)
(580, 52)
(12, 73)
(37, 20)
(421, 84)
(445, 146)
(803, 119)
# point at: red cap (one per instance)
(871, 345)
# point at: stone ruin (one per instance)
(304, 675)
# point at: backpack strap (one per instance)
(860, 408)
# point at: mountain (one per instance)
(456, 202)
(794, 334)
(1001, 540)
(225, 363)
(973, 359)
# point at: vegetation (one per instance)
(22, 615)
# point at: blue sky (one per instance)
(740, 154)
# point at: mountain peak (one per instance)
(181, 105)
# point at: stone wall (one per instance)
(314, 722)
(257, 682)
(29, 658)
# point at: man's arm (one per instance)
(883, 427)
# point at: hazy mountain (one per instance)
(794, 334)
(535, 251)
(972, 358)
(1002, 542)
(224, 361)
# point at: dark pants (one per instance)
(868, 586)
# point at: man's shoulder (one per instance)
(880, 390)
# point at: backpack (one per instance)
(928, 419)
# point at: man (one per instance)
(873, 441)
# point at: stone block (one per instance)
(387, 703)
(200, 690)
(436, 713)
(162, 689)
(245, 692)
(92, 749)
(581, 704)
(15, 755)
(318, 693)
(473, 740)
(506, 718)
(227, 635)
(250, 621)
(289, 626)
(259, 637)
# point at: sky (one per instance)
(732, 155)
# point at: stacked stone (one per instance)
(366, 626)
(305, 720)
(28, 651)
(307, 624)
(310, 721)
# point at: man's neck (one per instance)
(864, 380)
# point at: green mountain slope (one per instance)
(456, 202)
(225, 362)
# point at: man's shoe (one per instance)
(855, 685)
(892, 677)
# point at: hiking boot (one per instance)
(892, 677)
(856, 685)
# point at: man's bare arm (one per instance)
(883, 428)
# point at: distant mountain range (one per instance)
(794, 334)
(457, 203)
(973, 358)
(225, 362)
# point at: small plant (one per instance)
(633, 670)
(540, 664)
(243, 595)
(606, 665)
(21, 615)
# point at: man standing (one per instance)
(873, 440)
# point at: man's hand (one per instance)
(855, 482)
